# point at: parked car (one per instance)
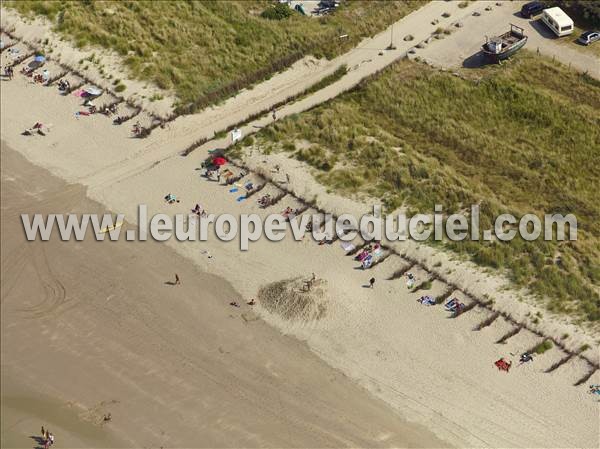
(531, 9)
(588, 37)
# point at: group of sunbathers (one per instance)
(41, 78)
(110, 110)
(36, 128)
(370, 250)
(170, 198)
(454, 305)
(138, 130)
(264, 201)
(503, 365)
(9, 72)
(288, 213)
(198, 210)
(64, 86)
(427, 300)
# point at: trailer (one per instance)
(558, 21)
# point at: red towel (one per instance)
(502, 365)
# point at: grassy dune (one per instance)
(518, 138)
(206, 47)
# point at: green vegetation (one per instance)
(580, 10)
(517, 138)
(279, 11)
(426, 285)
(209, 50)
(330, 79)
(543, 347)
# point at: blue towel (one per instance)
(241, 198)
(233, 190)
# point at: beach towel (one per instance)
(362, 256)
(427, 300)
(347, 246)
(79, 93)
(367, 262)
(233, 190)
(240, 198)
(502, 365)
(451, 304)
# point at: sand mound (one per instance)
(295, 299)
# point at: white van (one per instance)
(557, 21)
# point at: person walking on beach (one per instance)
(274, 114)
(43, 433)
(372, 282)
(177, 280)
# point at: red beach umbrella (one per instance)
(219, 161)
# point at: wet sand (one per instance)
(90, 328)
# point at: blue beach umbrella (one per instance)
(39, 58)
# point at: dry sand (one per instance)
(91, 328)
(432, 370)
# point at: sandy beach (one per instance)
(91, 328)
(177, 366)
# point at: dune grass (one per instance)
(518, 138)
(211, 48)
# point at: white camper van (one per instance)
(558, 21)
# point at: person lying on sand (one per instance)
(198, 210)
(64, 85)
(36, 128)
(251, 302)
(8, 72)
(426, 300)
(526, 357)
(594, 389)
(170, 198)
(265, 200)
(234, 304)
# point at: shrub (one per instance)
(425, 285)
(279, 11)
(543, 347)
(120, 87)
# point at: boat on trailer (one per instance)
(504, 46)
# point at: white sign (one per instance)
(236, 135)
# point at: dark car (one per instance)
(588, 37)
(532, 8)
